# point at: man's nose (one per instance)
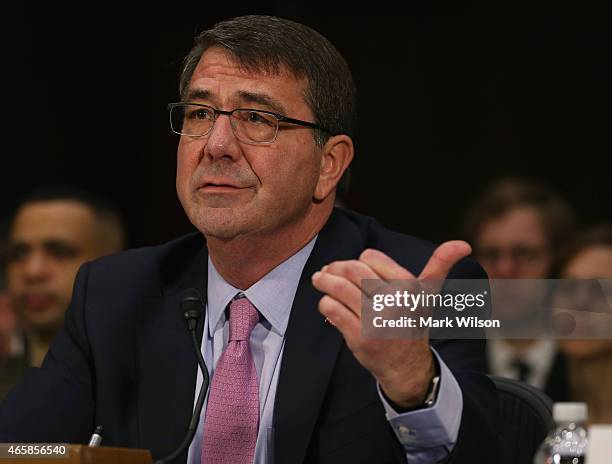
(221, 141)
(505, 267)
(37, 267)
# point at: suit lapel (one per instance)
(311, 346)
(168, 366)
(167, 362)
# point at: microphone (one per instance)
(191, 308)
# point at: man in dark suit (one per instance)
(517, 227)
(265, 123)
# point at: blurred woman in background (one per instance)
(589, 256)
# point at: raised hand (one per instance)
(404, 368)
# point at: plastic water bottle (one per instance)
(567, 443)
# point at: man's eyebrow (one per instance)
(263, 99)
(198, 94)
(61, 246)
(246, 96)
(17, 244)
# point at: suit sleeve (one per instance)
(429, 434)
(55, 403)
(479, 439)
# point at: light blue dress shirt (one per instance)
(428, 435)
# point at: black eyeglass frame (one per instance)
(279, 118)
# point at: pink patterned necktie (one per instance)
(232, 413)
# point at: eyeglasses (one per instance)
(250, 126)
(520, 255)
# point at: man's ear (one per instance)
(337, 155)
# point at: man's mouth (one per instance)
(38, 302)
(219, 187)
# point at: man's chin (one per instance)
(219, 223)
(45, 324)
(223, 235)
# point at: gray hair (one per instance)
(266, 44)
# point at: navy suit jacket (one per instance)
(124, 360)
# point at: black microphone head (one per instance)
(191, 306)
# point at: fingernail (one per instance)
(316, 275)
(324, 268)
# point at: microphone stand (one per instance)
(191, 306)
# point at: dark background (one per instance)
(448, 102)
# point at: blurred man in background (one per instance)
(54, 230)
(516, 229)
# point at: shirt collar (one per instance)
(537, 355)
(272, 295)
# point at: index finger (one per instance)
(384, 266)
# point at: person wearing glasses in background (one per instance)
(266, 125)
(516, 228)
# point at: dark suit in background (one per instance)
(12, 369)
(554, 380)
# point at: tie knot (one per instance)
(243, 318)
(523, 369)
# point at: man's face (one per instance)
(514, 246)
(229, 188)
(49, 240)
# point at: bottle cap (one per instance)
(569, 412)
